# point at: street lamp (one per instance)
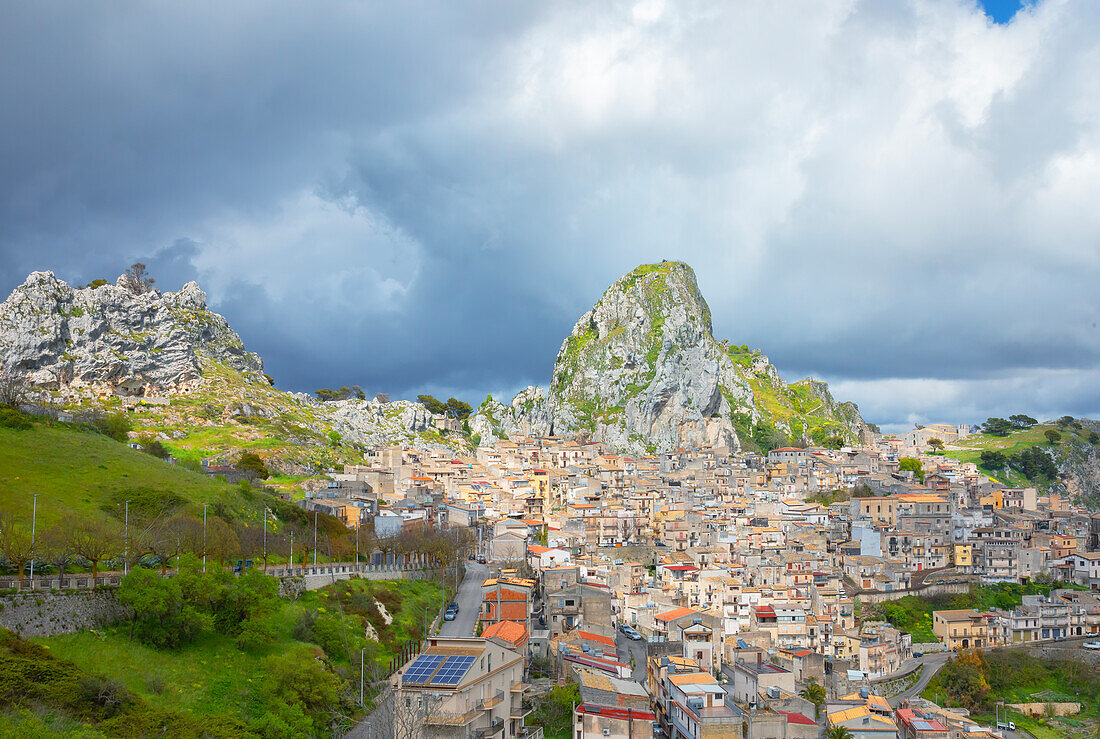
(265, 538)
(204, 536)
(34, 515)
(126, 543)
(315, 539)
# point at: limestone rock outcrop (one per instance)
(642, 371)
(113, 339)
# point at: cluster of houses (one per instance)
(697, 593)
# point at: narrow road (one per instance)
(469, 602)
(632, 652)
(933, 663)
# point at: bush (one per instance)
(116, 425)
(12, 418)
(110, 695)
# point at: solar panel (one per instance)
(422, 668)
(453, 670)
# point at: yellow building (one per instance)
(963, 555)
(964, 628)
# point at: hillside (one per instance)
(1075, 457)
(182, 374)
(643, 372)
(85, 472)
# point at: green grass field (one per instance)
(82, 471)
(214, 676)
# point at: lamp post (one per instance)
(315, 539)
(291, 562)
(265, 538)
(204, 536)
(126, 543)
(361, 652)
(357, 546)
(34, 515)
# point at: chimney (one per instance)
(759, 658)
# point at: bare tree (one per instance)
(15, 543)
(403, 713)
(221, 542)
(94, 539)
(13, 392)
(56, 548)
(137, 279)
(382, 397)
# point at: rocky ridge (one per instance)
(643, 372)
(184, 373)
(110, 338)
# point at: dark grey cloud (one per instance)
(899, 198)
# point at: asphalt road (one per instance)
(469, 602)
(628, 648)
(933, 663)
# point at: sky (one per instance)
(900, 198)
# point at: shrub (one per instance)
(115, 425)
(12, 418)
(110, 695)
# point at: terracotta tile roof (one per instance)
(509, 631)
(674, 614)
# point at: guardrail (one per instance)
(87, 582)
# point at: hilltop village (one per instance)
(689, 591)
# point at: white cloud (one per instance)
(332, 255)
(899, 196)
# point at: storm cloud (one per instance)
(900, 198)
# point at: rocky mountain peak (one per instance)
(642, 371)
(111, 338)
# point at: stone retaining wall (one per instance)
(46, 614)
(1044, 709)
(878, 596)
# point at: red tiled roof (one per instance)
(589, 636)
(619, 713)
(798, 718)
(509, 631)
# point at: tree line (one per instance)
(150, 537)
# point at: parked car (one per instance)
(453, 607)
(481, 560)
(918, 654)
(449, 615)
(1091, 645)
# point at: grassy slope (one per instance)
(213, 676)
(1019, 677)
(970, 448)
(82, 471)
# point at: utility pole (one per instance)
(315, 538)
(126, 543)
(204, 536)
(291, 563)
(265, 538)
(357, 546)
(361, 652)
(34, 515)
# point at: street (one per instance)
(933, 663)
(628, 650)
(469, 602)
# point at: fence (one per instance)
(339, 570)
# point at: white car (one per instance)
(1091, 645)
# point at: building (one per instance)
(962, 629)
(461, 687)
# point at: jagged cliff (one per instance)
(114, 338)
(184, 375)
(642, 371)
